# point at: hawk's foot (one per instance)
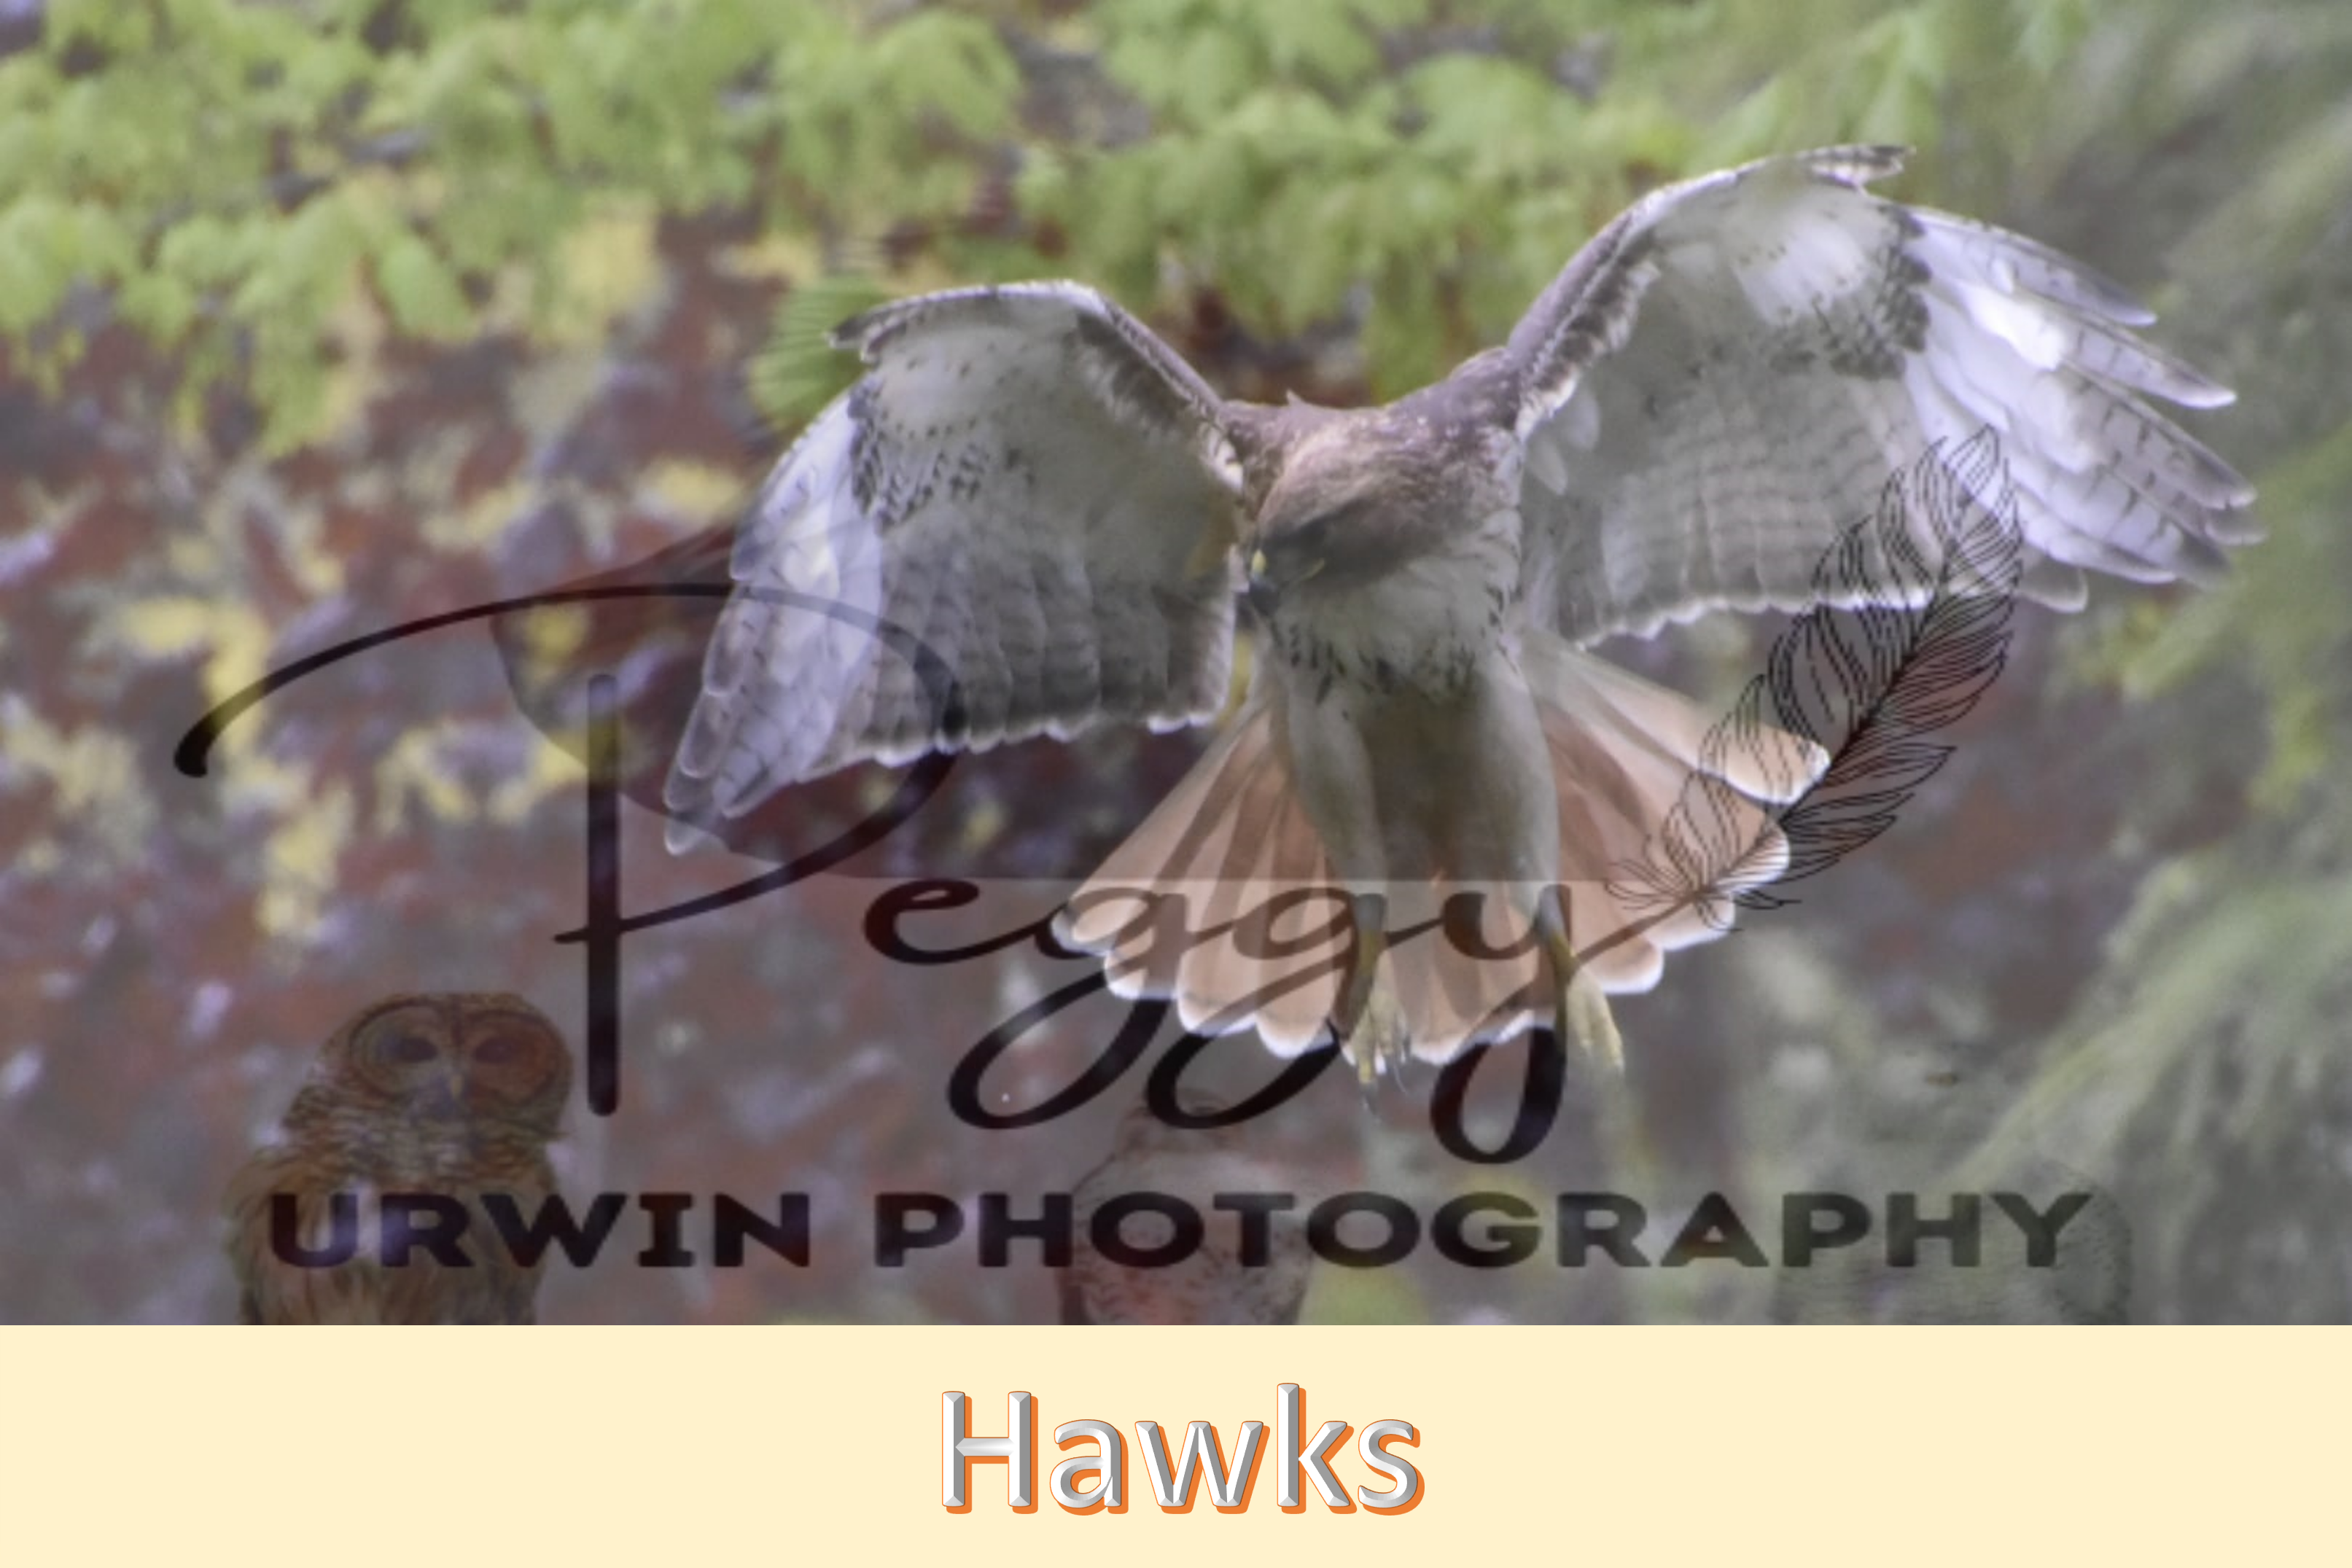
(1582, 1009)
(1366, 1021)
(1367, 919)
(1579, 1008)
(1382, 1045)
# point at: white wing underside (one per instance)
(1731, 372)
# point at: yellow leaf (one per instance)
(298, 866)
(163, 628)
(697, 492)
(608, 266)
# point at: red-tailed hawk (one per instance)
(1055, 509)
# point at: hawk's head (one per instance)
(1357, 496)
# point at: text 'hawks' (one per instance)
(1230, 1480)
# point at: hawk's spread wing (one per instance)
(1728, 373)
(1028, 486)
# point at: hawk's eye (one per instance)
(500, 1049)
(1306, 541)
(410, 1049)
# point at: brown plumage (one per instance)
(1213, 1285)
(455, 1094)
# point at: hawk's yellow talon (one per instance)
(1579, 1008)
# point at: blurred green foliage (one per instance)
(233, 176)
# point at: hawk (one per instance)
(1032, 515)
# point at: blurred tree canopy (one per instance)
(317, 314)
(265, 191)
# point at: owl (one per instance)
(453, 1096)
(1212, 1283)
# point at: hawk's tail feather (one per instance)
(1599, 721)
(1224, 901)
(1208, 901)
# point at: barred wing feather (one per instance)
(1020, 522)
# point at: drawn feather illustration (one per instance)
(1910, 626)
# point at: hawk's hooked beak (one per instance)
(1265, 589)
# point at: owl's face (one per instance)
(454, 1094)
(461, 1057)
